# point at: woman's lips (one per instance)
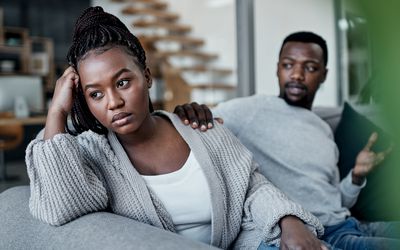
(121, 119)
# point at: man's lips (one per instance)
(119, 116)
(295, 88)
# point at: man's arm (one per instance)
(366, 161)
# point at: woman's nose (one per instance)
(115, 100)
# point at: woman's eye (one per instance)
(122, 83)
(95, 95)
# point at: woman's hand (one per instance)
(295, 235)
(61, 104)
(63, 96)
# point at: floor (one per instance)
(16, 171)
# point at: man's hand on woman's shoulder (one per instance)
(198, 116)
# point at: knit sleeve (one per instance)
(265, 205)
(62, 183)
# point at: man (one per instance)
(295, 148)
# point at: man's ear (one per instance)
(277, 69)
(324, 76)
(147, 76)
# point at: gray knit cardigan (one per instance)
(72, 176)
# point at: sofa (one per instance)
(101, 230)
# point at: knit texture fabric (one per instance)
(72, 176)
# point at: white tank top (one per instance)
(186, 196)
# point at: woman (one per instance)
(146, 165)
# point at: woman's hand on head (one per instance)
(64, 92)
(198, 116)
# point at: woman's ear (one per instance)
(149, 79)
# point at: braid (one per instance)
(98, 30)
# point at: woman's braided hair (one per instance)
(100, 31)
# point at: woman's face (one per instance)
(115, 89)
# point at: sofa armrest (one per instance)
(101, 230)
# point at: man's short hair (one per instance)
(307, 37)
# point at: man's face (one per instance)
(300, 71)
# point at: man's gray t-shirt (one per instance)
(295, 149)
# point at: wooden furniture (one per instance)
(42, 61)
(14, 50)
(22, 54)
(34, 120)
(11, 135)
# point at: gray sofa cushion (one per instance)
(101, 230)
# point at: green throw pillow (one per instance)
(380, 199)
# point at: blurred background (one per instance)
(206, 51)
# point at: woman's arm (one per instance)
(281, 220)
(63, 185)
(61, 103)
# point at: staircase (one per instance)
(175, 58)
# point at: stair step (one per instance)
(186, 53)
(221, 86)
(160, 14)
(172, 27)
(183, 40)
(204, 69)
(155, 4)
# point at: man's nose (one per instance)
(115, 100)
(297, 73)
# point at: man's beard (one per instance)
(303, 101)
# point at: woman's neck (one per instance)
(145, 133)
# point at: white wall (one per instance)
(214, 21)
(274, 20)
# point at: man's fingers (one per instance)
(388, 150)
(219, 120)
(180, 112)
(209, 116)
(191, 115)
(323, 247)
(379, 158)
(201, 115)
(371, 141)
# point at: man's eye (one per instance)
(311, 68)
(287, 65)
(122, 83)
(95, 95)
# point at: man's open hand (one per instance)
(367, 160)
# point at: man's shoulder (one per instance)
(246, 102)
